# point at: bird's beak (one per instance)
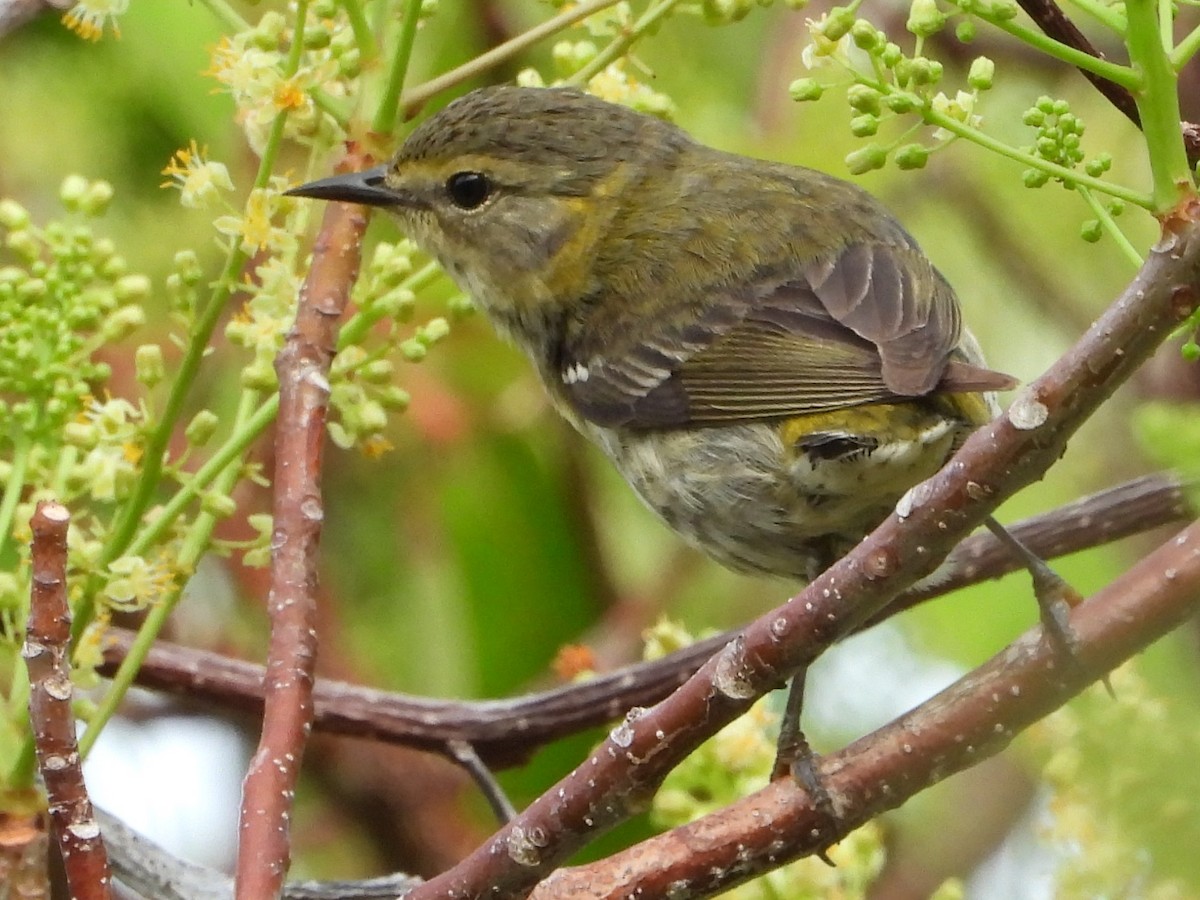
(368, 188)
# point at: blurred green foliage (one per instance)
(461, 561)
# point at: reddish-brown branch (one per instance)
(46, 652)
(303, 368)
(505, 732)
(999, 459)
(969, 721)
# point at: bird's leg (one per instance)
(1055, 597)
(794, 756)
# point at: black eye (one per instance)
(468, 190)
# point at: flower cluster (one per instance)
(251, 65)
(1123, 812)
(886, 83)
(69, 294)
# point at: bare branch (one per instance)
(505, 732)
(47, 655)
(303, 367)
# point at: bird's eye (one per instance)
(468, 190)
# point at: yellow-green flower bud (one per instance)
(434, 330)
(13, 215)
(1091, 231)
(866, 36)
(187, 265)
(413, 350)
(149, 364)
(863, 99)
(912, 156)
(902, 102)
(803, 89)
(377, 371)
(80, 434)
(983, 71)
(260, 375)
(1034, 178)
(23, 244)
(123, 322)
(867, 158)
(838, 23)
(220, 505)
(370, 417)
(864, 126)
(31, 289)
(203, 426)
(395, 398)
(132, 288)
(72, 190)
(925, 19)
(97, 198)
(316, 39)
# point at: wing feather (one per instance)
(874, 323)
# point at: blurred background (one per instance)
(461, 562)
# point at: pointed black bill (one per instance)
(367, 188)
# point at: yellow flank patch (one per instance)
(889, 422)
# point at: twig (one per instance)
(504, 732)
(969, 721)
(48, 636)
(996, 461)
(464, 754)
(303, 368)
(154, 873)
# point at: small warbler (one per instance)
(761, 349)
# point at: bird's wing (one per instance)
(874, 323)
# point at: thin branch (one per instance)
(47, 655)
(154, 873)
(506, 732)
(303, 367)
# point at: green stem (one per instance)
(227, 454)
(22, 448)
(1109, 224)
(364, 38)
(227, 15)
(620, 46)
(194, 546)
(337, 107)
(510, 48)
(1070, 176)
(202, 332)
(1158, 105)
(1109, 16)
(1125, 76)
(357, 326)
(389, 103)
(1186, 49)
